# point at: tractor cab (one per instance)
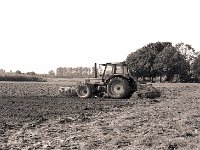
(109, 70)
(105, 72)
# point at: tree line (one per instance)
(76, 72)
(162, 59)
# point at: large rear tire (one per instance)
(119, 88)
(84, 91)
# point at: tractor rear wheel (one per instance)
(84, 91)
(119, 88)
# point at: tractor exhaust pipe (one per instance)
(95, 70)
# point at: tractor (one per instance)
(114, 81)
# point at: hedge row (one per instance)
(22, 77)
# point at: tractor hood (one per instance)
(97, 81)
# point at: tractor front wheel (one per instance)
(84, 91)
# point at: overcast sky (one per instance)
(41, 35)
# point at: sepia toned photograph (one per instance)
(99, 75)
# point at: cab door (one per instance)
(109, 71)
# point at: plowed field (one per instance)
(41, 122)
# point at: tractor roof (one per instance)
(115, 63)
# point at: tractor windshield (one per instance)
(109, 70)
(101, 69)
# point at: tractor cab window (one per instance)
(125, 69)
(109, 70)
(121, 69)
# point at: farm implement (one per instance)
(114, 81)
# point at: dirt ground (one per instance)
(167, 123)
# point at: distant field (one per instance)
(35, 89)
(65, 80)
